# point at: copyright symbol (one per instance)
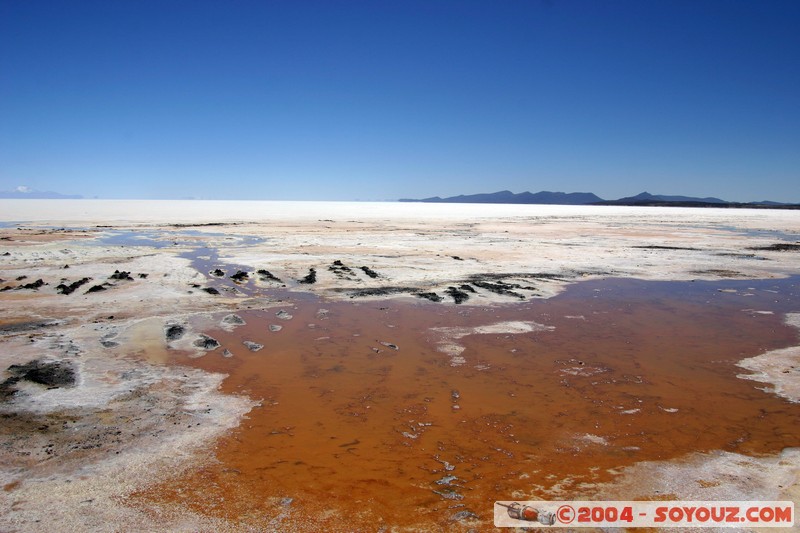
(565, 514)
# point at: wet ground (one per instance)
(379, 408)
(364, 421)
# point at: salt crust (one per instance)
(779, 368)
(91, 494)
(404, 246)
(415, 245)
(715, 476)
(447, 336)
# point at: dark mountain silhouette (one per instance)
(508, 197)
(646, 197)
(587, 198)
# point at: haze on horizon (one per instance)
(383, 100)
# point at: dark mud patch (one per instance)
(121, 275)
(33, 286)
(207, 343)
(51, 374)
(379, 291)
(266, 275)
(458, 294)
(64, 288)
(432, 296)
(500, 287)
(174, 332)
(778, 247)
(8, 389)
(743, 256)
(661, 247)
(719, 273)
(342, 271)
(24, 327)
(37, 439)
(240, 277)
(310, 278)
(369, 272)
(61, 441)
(96, 288)
(493, 276)
(204, 225)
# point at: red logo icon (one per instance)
(565, 514)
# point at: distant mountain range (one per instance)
(588, 198)
(23, 192)
(508, 197)
(647, 197)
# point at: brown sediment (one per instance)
(352, 435)
(31, 236)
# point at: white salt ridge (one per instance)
(514, 327)
(779, 368)
(457, 360)
(449, 334)
(593, 439)
(715, 476)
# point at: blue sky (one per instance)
(372, 100)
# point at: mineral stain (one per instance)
(631, 371)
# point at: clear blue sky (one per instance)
(339, 100)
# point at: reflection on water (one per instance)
(353, 434)
(158, 238)
(764, 233)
